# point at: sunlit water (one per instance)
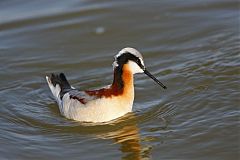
(191, 46)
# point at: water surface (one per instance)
(191, 46)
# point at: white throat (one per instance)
(134, 67)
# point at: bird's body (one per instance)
(103, 104)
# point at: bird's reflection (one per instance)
(128, 137)
(129, 140)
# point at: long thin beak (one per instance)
(155, 79)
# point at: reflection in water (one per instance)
(129, 139)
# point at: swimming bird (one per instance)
(105, 104)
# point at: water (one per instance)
(191, 46)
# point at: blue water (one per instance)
(191, 46)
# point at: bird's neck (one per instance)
(122, 86)
(123, 81)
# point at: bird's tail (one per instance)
(58, 84)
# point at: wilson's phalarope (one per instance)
(103, 104)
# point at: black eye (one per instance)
(140, 63)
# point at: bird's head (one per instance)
(134, 59)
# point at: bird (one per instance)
(105, 104)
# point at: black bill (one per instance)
(155, 79)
